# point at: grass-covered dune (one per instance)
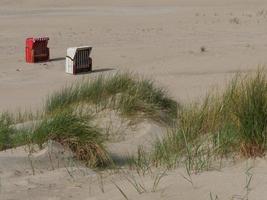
(126, 93)
(230, 123)
(68, 114)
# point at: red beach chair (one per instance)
(36, 50)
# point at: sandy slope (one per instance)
(61, 178)
(157, 38)
(161, 39)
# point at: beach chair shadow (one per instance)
(57, 59)
(96, 71)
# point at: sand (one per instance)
(160, 39)
(62, 177)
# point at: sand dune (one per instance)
(72, 181)
(188, 46)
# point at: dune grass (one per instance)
(10, 137)
(234, 122)
(74, 132)
(126, 93)
(66, 127)
(230, 123)
(66, 118)
(6, 132)
(250, 112)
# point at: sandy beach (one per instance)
(189, 47)
(160, 39)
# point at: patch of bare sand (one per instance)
(73, 181)
(156, 38)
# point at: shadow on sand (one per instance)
(57, 59)
(96, 71)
